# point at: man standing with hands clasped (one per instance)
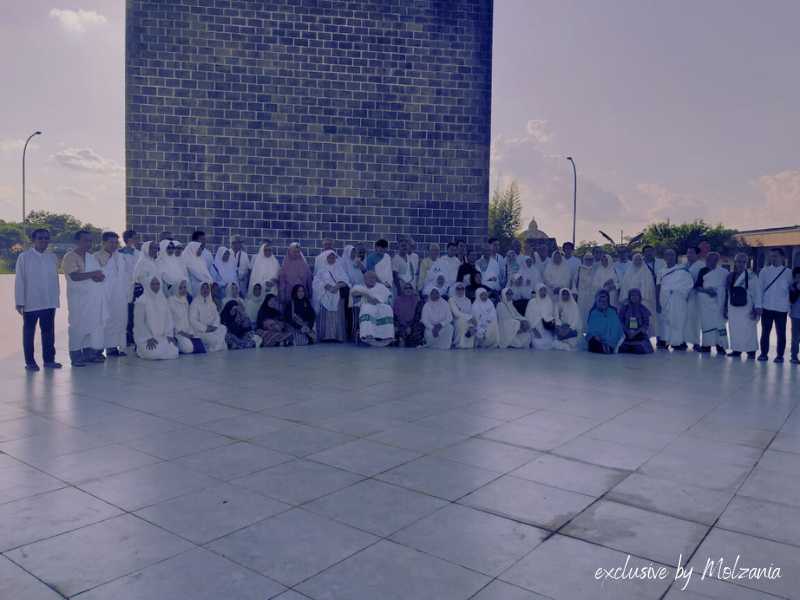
(775, 279)
(36, 296)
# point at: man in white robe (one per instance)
(655, 265)
(573, 261)
(403, 268)
(376, 317)
(85, 302)
(380, 263)
(130, 253)
(117, 292)
(675, 283)
(692, 330)
(491, 266)
(36, 297)
(709, 289)
(743, 316)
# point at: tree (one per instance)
(505, 214)
(61, 225)
(680, 237)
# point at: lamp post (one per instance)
(24, 151)
(574, 197)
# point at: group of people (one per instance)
(164, 299)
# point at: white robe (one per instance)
(264, 270)
(461, 308)
(568, 313)
(376, 321)
(146, 268)
(741, 324)
(676, 283)
(491, 269)
(606, 278)
(324, 275)
(196, 266)
(36, 285)
(87, 309)
(404, 267)
(226, 269)
(152, 320)
(509, 324)
(384, 271)
(202, 314)
(437, 313)
(557, 276)
(116, 288)
(484, 312)
(584, 287)
(179, 308)
(171, 268)
(538, 311)
(712, 309)
(691, 331)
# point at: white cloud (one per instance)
(11, 145)
(781, 191)
(539, 131)
(659, 203)
(87, 160)
(77, 21)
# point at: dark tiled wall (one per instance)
(296, 120)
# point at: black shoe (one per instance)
(31, 367)
(734, 354)
(680, 348)
(761, 358)
(778, 359)
(76, 358)
(794, 360)
(52, 365)
(703, 349)
(751, 356)
(720, 350)
(661, 344)
(112, 352)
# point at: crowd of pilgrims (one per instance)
(167, 299)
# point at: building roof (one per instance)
(771, 236)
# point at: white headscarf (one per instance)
(460, 304)
(327, 274)
(202, 313)
(225, 268)
(483, 310)
(231, 295)
(603, 274)
(354, 274)
(640, 278)
(434, 313)
(253, 303)
(558, 276)
(263, 269)
(146, 268)
(434, 284)
(156, 311)
(171, 268)
(568, 313)
(540, 309)
(179, 307)
(196, 265)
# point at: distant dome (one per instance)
(533, 231)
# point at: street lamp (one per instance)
(574, 197)
(24, 150)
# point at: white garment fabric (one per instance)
(226, 269)
(691, 330)
(640, 278)
(405, 270)
(36, 285)
(676, 283)
(509, 323)
(152, 320)
(264, 270)
(557, 276)
(172, 269)
(131, 257)
(621, 268)
(776, 297)
(146, 267)
(353, 268)
(179, 308)
(241, 262)
(116, 288)
(539, 310)
(232, 293)
(202, 315)
(321, 258)
(605, 277)
(712, 309)
(491, 269)
(584, 288)
(531, 277)
(87, 309)
(376, 321)
(461, 308)
(487, 334)
(384, 271)
(252, 304)
(197, 267)
(568, 314)
(437, 313)
(328, 275)
(574, 262)
(741, 322)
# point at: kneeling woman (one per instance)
(153, 327)
(486, 334)
(204, 319)
(188, 343)
(541, 316)
(515, 332)
(240, 335)
(568, 322)
(438, 322)
(603, 328)
(635, 325)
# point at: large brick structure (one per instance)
(297, 120)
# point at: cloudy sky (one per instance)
(673, 109)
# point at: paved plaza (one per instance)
(341, 473)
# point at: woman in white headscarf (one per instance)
(531, 277)
(438, 283)
(232, 293)
(584, 286)
(639, 277)
(196, 267)
(486, 332)
(225, 267)
(264, 270)
(204, 319)
(541, 316)
(606, 278)
(557, 273)
(147, 265)
(438, 322)
(354, 267)
(463, 321)
(252, 304)
(153, 327)
(179, 308)
(331, 289)
(569, 323)
(514, 330)
(171, 267)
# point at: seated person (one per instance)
(272, 325)
(486, 332)
(438, 322)
(463, 321)
(255, 297)
(204, 319)
(240, 333)
(301, 317)
(153, 327)
(635, 320)
(410, 333)
(603, 328)
(515, 332)
(438, 283)
(568, 322)
(376, 318)
(188, 343)
(541, 316)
